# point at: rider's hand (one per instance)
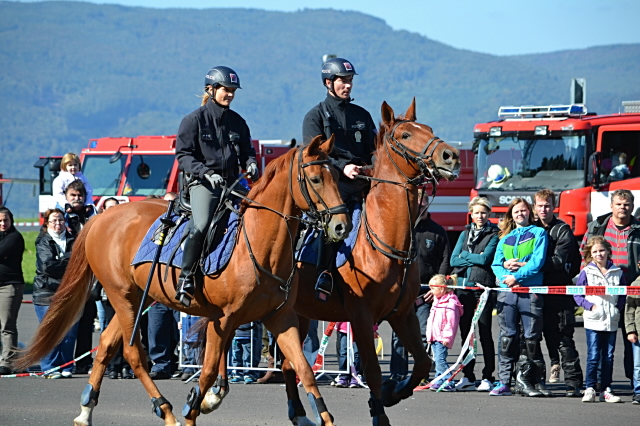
(350, 170)
(253, 171)
(216, 180)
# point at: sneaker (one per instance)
(342, 382)
(636, 399)
(464, 385)
(249, 379)
(500, 389)
(443, 387)
(608, 396)
(235, 378)
(66, 374)
(54, 375)
(354, 383)
(589, 395)
(554, 376)
(485, 386)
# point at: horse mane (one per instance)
(273, 168)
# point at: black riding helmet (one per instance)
(337, 67)
(222, 76)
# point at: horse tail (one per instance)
(66, 305)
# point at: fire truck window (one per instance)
(103, 175)
(620, 153)
(148, 175)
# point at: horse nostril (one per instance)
(447, 156)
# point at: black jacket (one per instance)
(51, 264)
(474, 263)
(433, 249)
(11, 250)
(598, 227)
(214, 138)
(352, 125)
(562, 249)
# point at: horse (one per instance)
(380, 279)
(257, 284)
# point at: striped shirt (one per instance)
(618, 240)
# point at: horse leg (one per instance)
(214, 349)
(288, 338)
(296, 409)
(363, 335)
(220, 389)
(125, 306)
(110, 340)
(407, 329)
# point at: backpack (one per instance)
(572, 267)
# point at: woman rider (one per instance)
(210, 142)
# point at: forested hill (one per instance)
(73, 71)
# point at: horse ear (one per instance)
(314, 146)
(327, 146)
(387, 114)
(411, 112)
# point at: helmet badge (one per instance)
(347, 66)
(233, 77)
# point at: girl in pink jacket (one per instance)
(442, 325)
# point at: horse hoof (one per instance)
(389, 398)
(302, 421)
(212, 401)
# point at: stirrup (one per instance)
(186, 292)
(324, 286)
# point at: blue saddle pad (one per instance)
(309, 251)
(216, 260)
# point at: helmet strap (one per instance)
(213, 97)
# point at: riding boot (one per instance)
(541, 371)
(525, 369)
(324, 283)
(186, 281)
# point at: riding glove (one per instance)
(253, 170)
(216, 180)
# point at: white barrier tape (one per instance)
(589, 290)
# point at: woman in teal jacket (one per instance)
(518, 262)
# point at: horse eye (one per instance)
(315, 180)
(405, 135)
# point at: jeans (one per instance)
(10, 301)
(62, 353)
(636, 367)
(84, 337)
(118, 362)
(600, 348)
(440, 353)
(342, 342)
(512, 309)
(311, 343)
(399, 363)
(163, 337)
(469, 300)
(246, 351)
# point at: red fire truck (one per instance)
(131, 169)
(578, 154)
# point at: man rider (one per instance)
(355, 134)
(210, 142)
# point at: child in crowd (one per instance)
(621, 171)
(245, 352)
(70, 171)
(600, 316)
(632, 326)
(442, 325)
(347, 380)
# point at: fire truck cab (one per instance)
(577, 154)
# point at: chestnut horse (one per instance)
(380, 279)
(259, 282)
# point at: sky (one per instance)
(498, 27)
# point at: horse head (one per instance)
(317, 192)
(424, 154)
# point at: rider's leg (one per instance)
(204, 201)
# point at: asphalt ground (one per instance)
(37, 401)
